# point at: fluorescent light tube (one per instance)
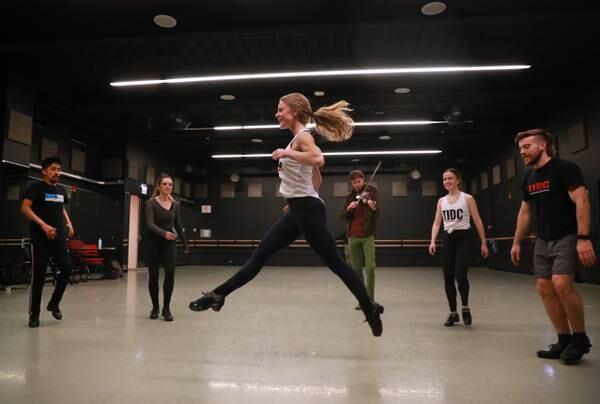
(338, 154)
(321, 73)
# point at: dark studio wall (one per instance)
(244, 217)
(248, 218)
(3, 111)
(18, 96)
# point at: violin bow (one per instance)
(371, 179)
(373, 175)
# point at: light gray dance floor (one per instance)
(292, 336)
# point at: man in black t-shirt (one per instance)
(43, 204)
(563, 215)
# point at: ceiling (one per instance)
(76, 48)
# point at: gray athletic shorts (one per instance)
(556, 257)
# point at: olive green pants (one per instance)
(362, 254)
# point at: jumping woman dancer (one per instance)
(306, 214)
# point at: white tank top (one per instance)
(456, 215)
(296, 178)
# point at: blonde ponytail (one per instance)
(333, 122)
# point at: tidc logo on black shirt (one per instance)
(538, 187)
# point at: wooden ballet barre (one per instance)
(380, 243)
(384, 243)
(530, 237)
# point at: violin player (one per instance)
(361, 212)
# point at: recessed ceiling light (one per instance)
(402, 90)
(165, 21)
(322, 73)
(355, 160)
(227, 97)
(319, 93)
(433, 8)
(379, 113)
(256, 140)
(385, 137)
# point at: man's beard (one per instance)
(533, 161)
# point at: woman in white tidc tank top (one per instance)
(455, 210)
(456, 215)
(305, 214)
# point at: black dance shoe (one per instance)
(553, 351)
(572, 354)
(451, 320)
(34, 321)
(209, 300)
(374, 320)
(53, 308)
(166, 313)
(467, 319)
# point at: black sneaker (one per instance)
(572, 354)
(374, 320)
(210, 300)
(34, 320)
(53, 308)
(466, 315)
(154, 313)
(166, 313)
(451, 320)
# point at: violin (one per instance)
(366, 195)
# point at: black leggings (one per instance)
(161, 251)
(306, 216)
(455, 257)
(41, 251)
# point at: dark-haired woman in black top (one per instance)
(164, 225)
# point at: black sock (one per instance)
(580, 338)
(564, 339)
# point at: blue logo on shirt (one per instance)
(54, 198)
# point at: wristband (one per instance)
(583, 237)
